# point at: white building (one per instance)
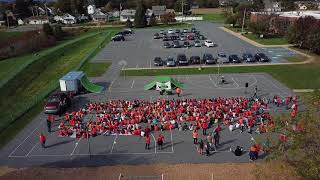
(127, 14)
(66, 19)
(38, 20)
(91, 9)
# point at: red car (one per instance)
(57, 103)
(190, 37)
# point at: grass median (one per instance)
(41, 76)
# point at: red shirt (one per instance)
(147, 139)
(160, 138)
(42, 138)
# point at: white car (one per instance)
(170, 31)
(209, 43)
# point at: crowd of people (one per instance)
(140, 117)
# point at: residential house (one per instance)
(20, 22)
(91, 9)
(66, 19)
(159, 11)
(82, 18)
(100, 16)
(37, 20)
(271, 6)
(115, 13)
(127, 14)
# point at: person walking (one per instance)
(201, 146)
(195, 136)
(207, 148)
(147, 139)
(216, 139)
(178, 91)
(42, 140)
(204, 128)
(160, 140)
(49, 125)
(255, 92)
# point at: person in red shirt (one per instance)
(147, 139)
(178, 91)
(42, 140)
(195, 136)
(204, 128)
(160, 140)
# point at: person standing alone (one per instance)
(178, 91)
(42, 140)
(147, 139)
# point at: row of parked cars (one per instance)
(208, 58)
(178, 34)
(196, 43)
(120, 35)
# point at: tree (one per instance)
(58, 32)
(47, 29)
(22, 8)
(287, 5)
(153, 20)
(140, 20)
(212, 4)
(168, 17)
(260, 27)
(186, 5)
(109, 6)
(128, 23)
(258, 5)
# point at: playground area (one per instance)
(115, 149)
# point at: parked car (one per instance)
(177, 31)
(187, 44)
(193, 30)
(57, 103)
(161, 31)
(200, 37)
(165, 38)
(209, 43)
(247, 57)
(182, 60)
(197, 43)
(171, 62)
(118, 38)
(183, 38)
(234, 59)
(158, 61)
(156, 36)
(195, 60)
(185, 30)
(176, 44)
(167, 45)
(173, 37)
(170, 31)
(208, 59)
(190, 37)
(222, 58)
(262, 57)
(127, 31)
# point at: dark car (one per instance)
(118, 38)
(182, 60)
(176, 44)
(165, 38)
(57, 104)
(208, 59)
(158, 61)
(262, 57)
(183, 38)
(193, 30)
(200, 37)
(195, 60)
(234, 59)
(197, 43)
(156, 36)
(247, 57)
(170, 62)
(173, 37)
(167, 45)
(177, 30)
(187, 44)
(127, 31)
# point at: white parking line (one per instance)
(114, 142)
(10, 155)
(213, 81)
(109, 89)
(235, 83)
(132, 84)
(155, 143)
(75, 147)
(137, 65)
(150, 63)
(32, 149)
(171, 141)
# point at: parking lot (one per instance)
(26, 150)
(140, 49)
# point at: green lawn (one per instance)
(294, 76)
(33, 83)
(95, 69)
(7, 35)
(217, 17)
(267, 41)
(296, 58)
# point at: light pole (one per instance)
(243, 19)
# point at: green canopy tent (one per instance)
(166, 83)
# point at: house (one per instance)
(91, 9)
(159, 11)
(20, 22)
(66, 19)
(302, 7)
(272, 6)
(127, 14)
(100, 16)
(37, 20)
(82, 18)
(115, 13)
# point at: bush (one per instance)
(128, 23)
(47, 29)
(153, 20)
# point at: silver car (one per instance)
(171, 62)
(222, 58)
(197, 44)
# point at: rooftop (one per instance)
(293, 14)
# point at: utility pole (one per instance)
(182, 10)
(243, 19)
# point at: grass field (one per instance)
(42, 75)
(267, 41)
(95, 69)
(218, 17)
(306, 76)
